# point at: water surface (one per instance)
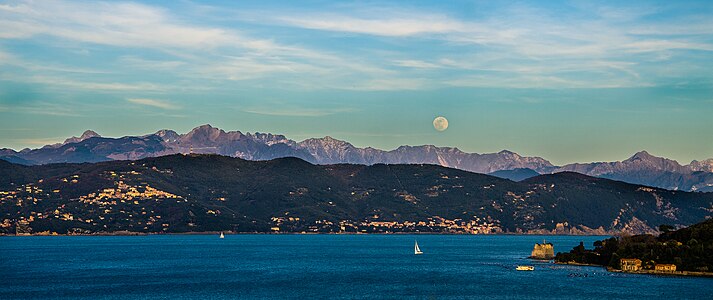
(312, 266)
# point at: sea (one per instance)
(261, 266)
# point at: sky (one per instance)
(569, 81)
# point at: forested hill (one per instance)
(690, 249)
(197, 193)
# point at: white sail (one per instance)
(416, 249)
(222, 236)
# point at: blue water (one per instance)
(312, 266)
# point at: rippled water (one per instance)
(312, 266)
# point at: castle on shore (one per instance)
(544, 251)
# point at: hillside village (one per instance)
(203, 193)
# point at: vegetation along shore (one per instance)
(684, 252)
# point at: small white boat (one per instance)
(525, 268)
(416, 249)
(222, 236)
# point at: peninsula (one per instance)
(687, 251)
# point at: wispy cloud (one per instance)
(399, 47)
(153, 103)
(13, 60)
(400, 26)
(109, 23)
(540, 82)
(47, 108)
(202, 54)
(394, 83)
(37, 142)
(88, 85)
(151, 64)
(419, 64)
(533, 40)
(19, 129)
(296, 112)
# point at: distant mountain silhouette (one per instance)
(519, 174)
(641, 168)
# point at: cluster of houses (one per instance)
(123, 191)
(374, 225)
(634, 265)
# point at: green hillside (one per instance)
(197, 193)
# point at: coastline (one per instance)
(131, 233)
(572, 263)
(664, 273)
(642, 272)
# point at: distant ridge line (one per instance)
(640, 168)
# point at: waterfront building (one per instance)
(665, 267)
(630, 264)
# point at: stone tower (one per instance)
(543, 251)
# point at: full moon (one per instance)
(440, 123)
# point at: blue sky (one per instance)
(565, 80)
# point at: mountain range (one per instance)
(201, 193)
(642, 168)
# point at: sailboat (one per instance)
(416, 249)
(222, 236)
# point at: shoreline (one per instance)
(665, 273)
(642, 272)
(129, 233)
(571, 263)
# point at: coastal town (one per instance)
(122, 203)
(433, 224)
(128, 206)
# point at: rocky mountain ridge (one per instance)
(641, 168)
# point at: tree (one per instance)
(664, 228)
(614, 261)
(579, 249)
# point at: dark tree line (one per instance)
(690, 249)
